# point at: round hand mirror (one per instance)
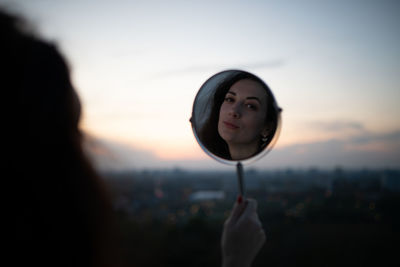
(235, 118)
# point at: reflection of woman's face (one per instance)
(242, 115)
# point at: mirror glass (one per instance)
(235, 117)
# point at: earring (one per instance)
(264, 138)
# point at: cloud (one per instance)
(110, 155)
(389, 137)
(338, 126)
(267, 64)
(363, 151)
(366, 150)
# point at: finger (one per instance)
(250, 212)
(263, 237)
(251, 207)
(237, 211)
(254, 203)
(262, 233)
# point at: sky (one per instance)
(333, 66)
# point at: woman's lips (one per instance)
(230, 125)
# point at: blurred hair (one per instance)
(209, 132)
(61, 208)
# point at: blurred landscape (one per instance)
(312, 217)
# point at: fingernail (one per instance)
(239, 199)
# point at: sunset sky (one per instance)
(334, 67)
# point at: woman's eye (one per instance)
(229, 99)
(251, 106)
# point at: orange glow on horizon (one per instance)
(372, 147)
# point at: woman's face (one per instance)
(243, 113)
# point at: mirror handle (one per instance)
(239, 171)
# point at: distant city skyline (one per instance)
(334, 67)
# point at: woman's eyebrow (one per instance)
(255, 98)
(249, 97)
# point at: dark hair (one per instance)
(61, 209)
(209, 132)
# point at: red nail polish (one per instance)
(239, 199)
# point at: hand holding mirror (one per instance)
(235, 119)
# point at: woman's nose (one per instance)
(235, 111)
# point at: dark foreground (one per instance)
(312, 218)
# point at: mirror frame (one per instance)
(194, 120)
